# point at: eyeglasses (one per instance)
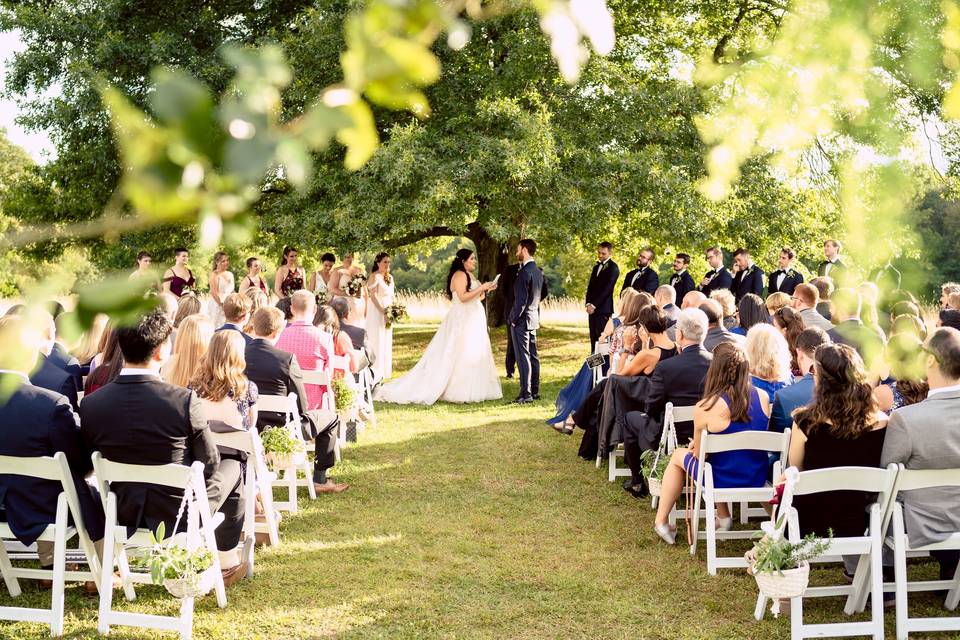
(930, 352)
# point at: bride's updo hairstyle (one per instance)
(462, 256)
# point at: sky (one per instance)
(37, 144)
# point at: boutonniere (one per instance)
(792, 273)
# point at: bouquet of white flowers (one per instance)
(395, 313)
(355, 285)
(322, 298)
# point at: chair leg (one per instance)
(876, 581)
(59, 569)
(744, 512)
(106, 568)
(186, 619)
(761, 605)
(290, 475)
(128, 589)
(6, 568)
(308, 474)
(953, 595)
(900, 572)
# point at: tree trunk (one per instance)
(492, 258)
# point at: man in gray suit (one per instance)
(717, 333)
(805, 299)
(525, 320)
(926, 436)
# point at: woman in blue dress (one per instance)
(730, 404)
(572, 396)
(769, 356)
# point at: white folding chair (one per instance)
(59, 533)
(602, 348)
(766, 441)
(868, 579)
(668, 435)
(116, 541)
(322, 379)
(913, 480)
(287, 405)
(342, 363)
(257, 477)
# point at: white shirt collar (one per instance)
(679, 273)
(11, 372)
(131, 371)
(526, 262)
(951, 389)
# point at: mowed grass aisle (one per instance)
(466, 522)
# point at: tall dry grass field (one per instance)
(430, 307)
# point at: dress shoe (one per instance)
(330, 487)
(234, 574)
(638, 491)
(523, 400)
(509, 376)
(535, 396)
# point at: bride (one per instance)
(457, 365)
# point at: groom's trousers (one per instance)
(528, 362)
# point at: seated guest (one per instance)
(60, 355)
(800, 392)
(806, 298)
(195, 334)
(751, 311)
(785, 279)
(850, 330)
(162, 424)
(869, 307)
(47, 374)
(789, 323)
(345, 313)
(651, 345)
(841, 427)
(769, 357)
(910, 324)
(666, 298)
(313, 348)
(89, 345)
(953, 301)
(692, 300)
(257, 299)
(38, 422)
(716, 333)
(777, 301)
(905, 383)
(276, 373)
(730, 405)
(328, 321)
(236, 310)
(946, 289)
(948, 318)
(748, 277)
(229, 399)
(729, 305)
(111, 362)
(925, 436)
(187, 306)
(825, 288)
(169, 304)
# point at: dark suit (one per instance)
(678, 380)
(51, 377)
(139, 419)
(62, 358)
(864, 340)
(749, 280)
(672, 312)
(358, 335)
(37, 422)
(276, 373)
(508, 279)
(683, 283)
(791, 397)
(524, 322)
(836, 271)
(603, 279)
(791, 279)
(229, 326)
(645, 279)
(719, 279)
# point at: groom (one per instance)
(524, 320)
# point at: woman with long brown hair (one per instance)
(791, 325)
(221, 384)
(841, 427)
(380, 290)
(905, 383)
(290, 276)
(730, 404)
(108, 363)
(193, 339)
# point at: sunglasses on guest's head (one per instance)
(930, 352)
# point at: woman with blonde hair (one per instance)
(257, 299)
(193, 338)
(189, 306)
(777, 301)
(93, 338)
(729, 304)
(769, 356)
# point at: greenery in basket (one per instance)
(342, 395)
(173, 561)
(776, 555)
(278, 441)
(647, 464)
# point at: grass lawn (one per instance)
(468, 522)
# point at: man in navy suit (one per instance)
(525, 320)
(749, 278)
(599, 299)
(786, 278)
(644, 277)
(236, 310)
(718, 277)
(799, 393)
(38, 422)
(47, 374)
(681, 280)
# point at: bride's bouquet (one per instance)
(395, 312)
(355, 285)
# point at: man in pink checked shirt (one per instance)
(312, 347)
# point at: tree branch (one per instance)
(414, 236)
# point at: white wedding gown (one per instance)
(457, 365)
(226, 287)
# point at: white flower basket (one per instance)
(789, 583)
(654, 485)
(192, 586)
(286, 460)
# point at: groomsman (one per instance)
(832, 266)
(718, 277)
(785, 279)
(644, 277)
(749, 278)
(599, 299)
(681, 280)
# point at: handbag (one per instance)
(317, 421)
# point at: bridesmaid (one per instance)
(380, 287)
(320, 280)
(347, 271)
(290, 276)
(253, 279)
(144, 260)
(179, 276)
(221, 285)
